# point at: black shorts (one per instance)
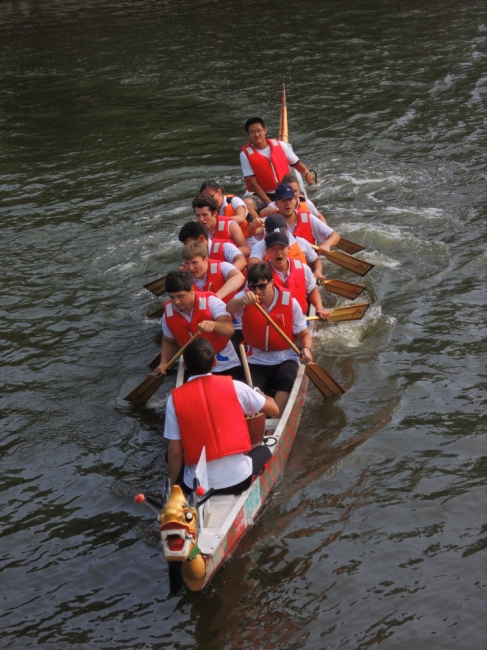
(271, 379)
(235, 373)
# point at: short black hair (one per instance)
(192, 230)
(254, 120)
(199, 357)
(261, 271)
(178, 280)
(204, 201)
(211, 185)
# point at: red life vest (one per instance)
(303, 226)
(210, 415)
(216, 253)
(296, 282)
(222, 230)
(215, 280)
(268, 173)
(258, 332)
(182, 330)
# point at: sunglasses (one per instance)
(260, 286)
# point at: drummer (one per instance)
(274, 365)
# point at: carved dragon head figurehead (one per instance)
(178, 526)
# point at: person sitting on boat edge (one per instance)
(188, 311)
(274, 365)
(304, 224)
(303, 204)
(218, 228)
(209, 411)
(292, 274)
(300, 249)
(222, 278)
(221, 251)
(264, 161)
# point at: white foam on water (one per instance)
(367, 181)
(349, 333)
(429, 213)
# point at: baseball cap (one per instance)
(275, 222)
(283, 191)
(276, 238)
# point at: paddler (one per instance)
(303, 205)
(299, 248)
(292, 274)
(264, 162)
(221, 278)
(218, 229)
(274, 365)
(188, 311)
(222, 251)
(209, 411)
(303, 224)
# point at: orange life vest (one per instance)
(296, 282)
(210, 415)
(303, 206)
(258, 332)
(268, 173)
(182, 330)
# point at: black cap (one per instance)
(276, 238)
(275, 222)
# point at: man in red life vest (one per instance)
(236, 209)
(188, 311)
(303, 204)
(210, 275)
(264, 162)
(293, 274)
(221, 251)
(299, 248)
(303, 224)
(209, 411)
(222, 229)
(274, 365)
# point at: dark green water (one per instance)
(111, 115)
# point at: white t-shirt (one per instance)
(225, 359)
(229, 470)
(236, 203)
(230, 251)
(225, 268)
(258, 250)
(271, 358)
(290, 156)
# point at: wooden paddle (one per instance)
(349, 247)
(323, 381)
(144, 391)
(348, 290)
(354, 264)
(157, 287)
(352, 312)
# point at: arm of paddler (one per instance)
(304, 342)
(239, 262)
(236, 304)
(330, 241)
(169, 348)
(240, 214)
(317, 268)
(302, 169)
(238, 239)
(270, 408)
(235, 280)
(315, 299)
(222, 325)
(174, 459)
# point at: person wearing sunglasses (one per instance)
(264, 162)
(274, 365)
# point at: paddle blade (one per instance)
(155, 362)
(348, 290)
(323, 381)
(353, 312)
(144, 391)
(157, 314)
(157, 287)
(349, 247)
(354, 264)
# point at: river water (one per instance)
(111, 115)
